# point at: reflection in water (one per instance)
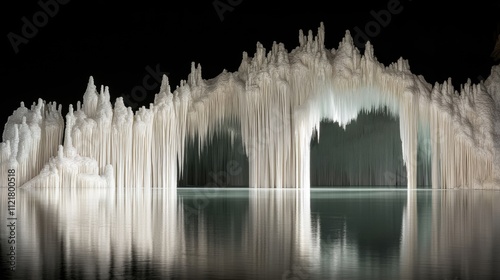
(360, 232)
(461, 236)
(254, 234)
(280, 239)
(95, 233)
(409, 235)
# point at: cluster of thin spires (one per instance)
(273, 105)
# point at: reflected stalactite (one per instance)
(277, 240)
(280, 228)
(467, 225)
(457, 241)
(98, 232)
(212, 234)
(409, 236)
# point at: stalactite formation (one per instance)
(270, 109)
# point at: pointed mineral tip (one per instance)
(310, 36)
(165, 86)
(348, 38)
(198, 74)
(119, 102)
(301, 38)
(321, 35)
(369, 50)
(193, 67)
(192, 75)
(106, 96)
(91, 88)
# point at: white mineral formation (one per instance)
(274, 105)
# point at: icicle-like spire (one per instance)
(165, 86)
(90, 98)
(272, 106)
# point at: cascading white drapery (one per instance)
(276, 101)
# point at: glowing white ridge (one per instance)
(274, 105)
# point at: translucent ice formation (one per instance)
(274, 105)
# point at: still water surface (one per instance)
(253, 234)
